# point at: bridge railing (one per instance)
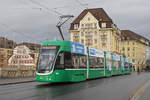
(17, 72)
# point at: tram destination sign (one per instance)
(49, 47)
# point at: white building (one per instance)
(148, 55)
(21, 57)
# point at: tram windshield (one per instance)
(46, 59)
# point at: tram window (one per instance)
(126, 65)
(109, 63)
(79, 61)
(119, 64)
(100, 62)
(83, 61)
(68, 60)
(92, 62)
(75, 61)
(60, 61)
(96, 62)
(116, 64)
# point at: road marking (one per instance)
(140, 91)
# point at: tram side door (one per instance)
(88, 63)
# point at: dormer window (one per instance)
(75, 26)
(88, 19)
(103, 25)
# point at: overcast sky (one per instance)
(35, 20)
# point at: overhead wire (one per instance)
(83, 5)
(21, 33)
(44, 7)
(15, 31)
(41, 6)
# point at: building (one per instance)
(148, 54)
(5, 43)
(5, 54)
(34, 48)
(6, 51)
(31, 46)
(93, 27)
(21, 58)
(133, 46)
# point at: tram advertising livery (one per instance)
(66, 61)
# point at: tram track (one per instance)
(140, 91)
(121, 85)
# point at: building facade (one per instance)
(133, 46)
(34, 48)
(31, 46)
(148, 54)
(5, 43)
(94, 28)
(21, 58)
(5, 54)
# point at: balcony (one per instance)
(88, 27)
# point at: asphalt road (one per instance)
(114, 88)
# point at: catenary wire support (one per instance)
(63, 19)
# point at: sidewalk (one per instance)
(16, 81)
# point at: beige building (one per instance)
(133, 46)
(5, 54)
(93, 27)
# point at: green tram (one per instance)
(66, 61)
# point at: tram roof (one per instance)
(56, 43)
